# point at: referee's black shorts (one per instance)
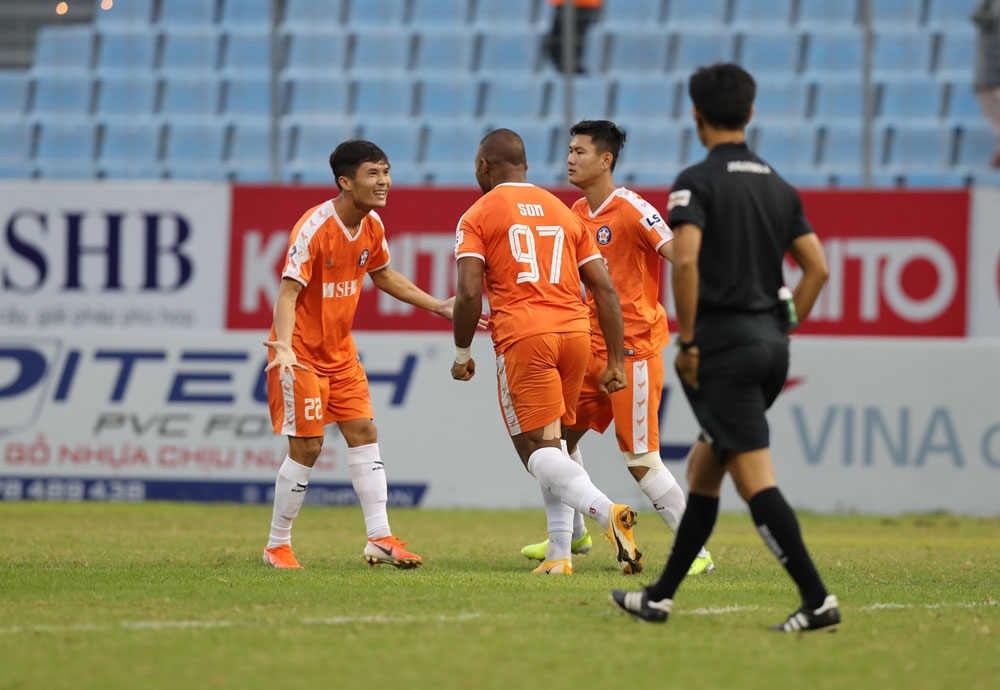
(743, 365)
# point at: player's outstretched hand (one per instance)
(612, 380)
(463, 371)
(447, 310)
(284, 359)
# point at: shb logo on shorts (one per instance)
(364, 258)
(603, 235)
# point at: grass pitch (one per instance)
(162, 595)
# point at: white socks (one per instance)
(368, 477)
(666, 495)
(578, 526)
(569, 482)
(289, 492)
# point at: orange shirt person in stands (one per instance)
(633, 239)
(314, 375)
(585, 14)
(531, 253)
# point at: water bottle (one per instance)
(785, 295)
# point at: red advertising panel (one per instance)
(897, 258)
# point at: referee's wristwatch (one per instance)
(685, 346)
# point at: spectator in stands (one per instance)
(733, 219)
(533, 253)
(314, 375)
(986, 80)
(633, 237)
(585, 13)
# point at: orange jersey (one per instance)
(331, 265)
(532, 247)
(629, 232)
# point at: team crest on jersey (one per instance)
(364, 258)
(603, 235)
(297, 255)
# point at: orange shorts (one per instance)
(635, 409)
(304, 406)
(539, 379)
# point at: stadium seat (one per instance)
(130, 149)
(15, 145)
(65, 148)
(842, 148)
(386, 52)
(325, 16)
(123, 51)
(181, 13)
(781, 100)
(13, 93)
(624, 15)
(901, 53)
(250, 156)
(318, 97)
(444, 98)
(401, 142)
(963, 107)
(896, 15)
(195, 51)
(696, 14)
(247, 98)
(388, 98)
(63, 95)
(253, 15)
(132, 13)
(637, 99)
(510, 15)
(190, 98)
(454, 143)
(908, 100)
(936, 179)
(834, 53)
(635, 51)
(60, 48)
(788, 147)
(442, 51)
(920, 147)
(313, 143)
(591, 99)
(453, 14)
(376, 14)
(948, 15)
(956, 54)
(509, 52)
(771, 55)
(544, 145)
(247, 53)
(194, 150)
(692, 49)
(824, 15)
(976, 144)
(841, 101)
(125, 98)
(652, 153)
(771, 15)
(515, 99)
(316, 54)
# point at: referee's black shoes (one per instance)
(825, 616)
(639, 605)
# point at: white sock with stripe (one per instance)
(570, 483)
(289, 493)
(368, 478)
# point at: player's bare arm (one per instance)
(609, 315)
(687, 245)
(808, 254)
(666, 250)
(284, 325)
(468, 310)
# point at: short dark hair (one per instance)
(723, 93)
(606, 135)
(349, 155)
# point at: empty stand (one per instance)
(920, 147)
(770, 55)
(319, 97)
(384, 52)
(696, 14)
(247, 53)
(629, 14)
(133, 13)
(447, 99)
(130, 148)
(376, 14)
(898, 14)
(13, 93)
(126, 50)
(195, 51)
(316, 53)
(66, 148)
(780, 102)
(194, 150)
(189, 12)
(507, 52)
(60, 48)
(126, 98)
(834, 53)
(385, 99)
(191, 98)
(824, 15)
(511, 15)
(441, 14)
(445, 52)
(402, 143)
(247, 98)
(637, 99)
(897, 53)
(314, 15)
(637, 51)
(63, 95)
(692, 49)
(910, 100)
(767, 15)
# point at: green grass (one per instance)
(164, 595)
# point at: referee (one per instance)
(733, 219)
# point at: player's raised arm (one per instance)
(284, 325)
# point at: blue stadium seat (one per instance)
(696, 14)
(195, 149)
(515, 99)
(190, 51)
(544, 145)
(591, 99)
(247, 53)
(638, 50)
(401, 143)
(507, 52)
(638, 99)
(250, 155)
(325, 16)
(834, 53)
(190, 98)
(13, 93)
(693, 49)
(910, 100)
(60, 48)
(936, 179)
(386, 51)
(376, 14)
(901, 53)
(949, 14)
(125, 98)
(319, 97)
(314, 142)
(896, 15)
(788, 147)
(963, 107)
(510, 15)
(453, 14)
(454, 143)
(652, 152)
(770, 15)
(920, 147)
(132, 13)
(253, 15)
(175, 13)
(956, 54)
(130, 149)
(15, 147)
(66, 148)
(316, 54)
(443, 98)
(444, 51)
(840, 101)
(823, 15)
(63, 95)
(629, 14)
(247, 98)
(842, 148)
(769, 55)
(126, 50)
(387, 98)
(976, 144)
(784, 100)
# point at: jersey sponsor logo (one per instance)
(341, 288)
(682, 197)
(603, 235)
(364, 258)
(652, 221)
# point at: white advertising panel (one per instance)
(984, 263)
(113, 256)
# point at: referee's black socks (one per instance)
(692, 533)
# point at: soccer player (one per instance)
(734, 218)
(632, 238)
(314, 375)
(532, 253)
